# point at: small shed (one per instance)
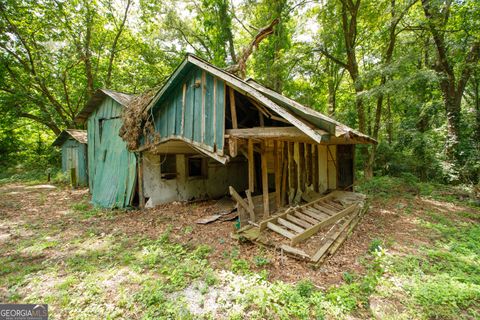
(112, 168)
(74, 155)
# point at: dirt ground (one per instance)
(48, 205)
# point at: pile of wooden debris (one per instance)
(312, 231)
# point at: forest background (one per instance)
(405, 72)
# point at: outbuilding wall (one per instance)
(112, 168)
(74, 155)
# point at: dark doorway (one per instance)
(345, 154)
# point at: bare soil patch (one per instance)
(24, 210)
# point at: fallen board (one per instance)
(306, 233)
(208, 219)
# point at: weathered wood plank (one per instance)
(204, 93)
(242, 202)
(219, 115)
(331, 238)
(278, 178)
(303, 170)
(305, 217)
(280, 230)
(294, 251)
(284, 183)
(298, 221)
(311, 231)
(282, 133)
(308, 164)
(266, 204)
(233, 109)
(290, 225)
(334, 204)
(251, 168)
(320, 207)
(249, 198)
(329, 206)
(315, 214)
(315, 168)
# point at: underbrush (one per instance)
(84, 271)
(408, 186)
(441, 279)
(32, 175)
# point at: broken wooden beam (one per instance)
(242, 202)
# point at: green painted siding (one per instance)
(74, 155)
(112, 168)
(194, 111)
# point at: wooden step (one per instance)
(317, 213)
(290, 225)
(280, 230)
(305, 217)
(338, 206)
(323, 209)
(314, 214)
(328, 206)
(298, 221)
(311, 231)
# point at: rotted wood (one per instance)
(242, 202)
(315, 170)
(233, 147)
(278, 178)
(311, 231)
(294, 211)
(266, 205)
(251, 167)
(233, 109)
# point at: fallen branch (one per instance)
(241, 64)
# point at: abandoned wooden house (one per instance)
(73, 144)
(112, 167)
(206, 130)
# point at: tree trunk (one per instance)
(113, 49)
(477, 108)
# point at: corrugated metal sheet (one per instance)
(112, 168)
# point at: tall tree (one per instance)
(456, 58)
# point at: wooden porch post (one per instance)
(251, 168)
(266, 209)
(278, 172)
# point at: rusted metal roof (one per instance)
(79, 135)
(122, 98)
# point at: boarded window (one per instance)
(197, 167)
(168, 166)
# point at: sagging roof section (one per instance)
(79, 135)
(311, 115)
(305, 119)
(122, 98)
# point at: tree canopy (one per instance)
(406, 72)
